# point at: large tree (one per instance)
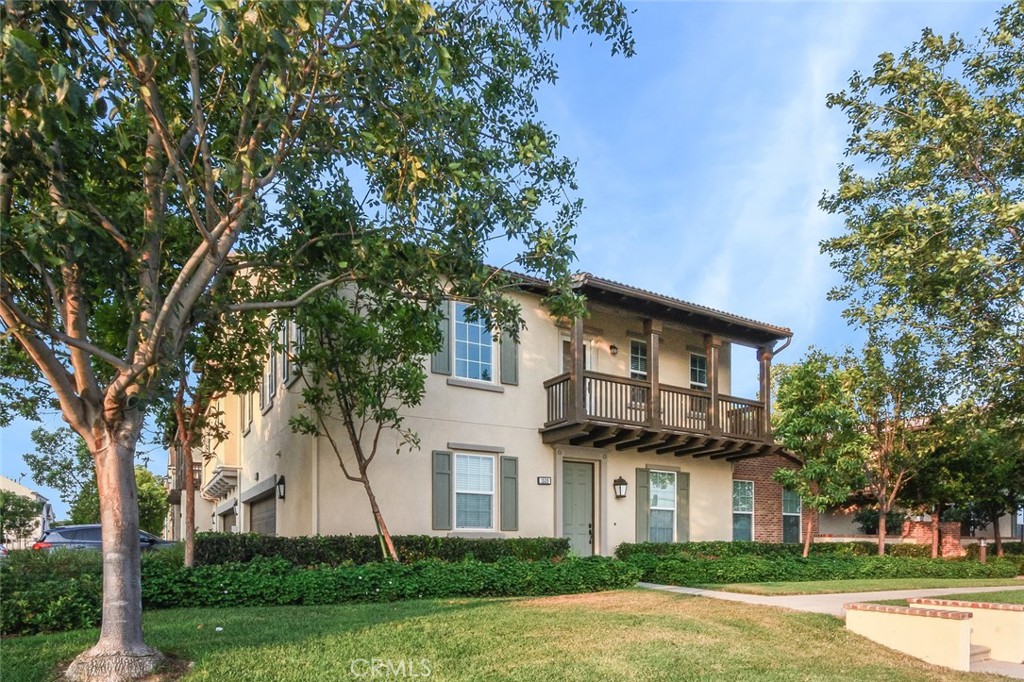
(152, 496)
(815, 416)
(896, 394)
(934, 204)
(150, 150)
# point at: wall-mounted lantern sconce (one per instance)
(620, 486)
(280, 487)
(613, 349)
(234, 507)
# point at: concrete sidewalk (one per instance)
(832, 604)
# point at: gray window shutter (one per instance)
(643, 505)
(509, 360)
(682, 507)
(442, 483)
(441, 361)
(509, 493)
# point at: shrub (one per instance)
(688, 570)
(63, 590)
(338, 550)
(719, 549)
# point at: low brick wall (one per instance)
(1000, 627)
(940, 637)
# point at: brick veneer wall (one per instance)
(920, 532)
(768, 496)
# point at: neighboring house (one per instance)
(617, 428)
(42, 521)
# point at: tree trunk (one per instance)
(808, 534)
(120, 654)
(996, 535)
(881, 532)
(189, 531)
(936, 516)
(387, 545)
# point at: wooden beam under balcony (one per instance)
(622, 435)
(740, 450)
(594, 434)
(694, 447)
(675, 439)
(645, 439)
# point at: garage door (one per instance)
(263, 516)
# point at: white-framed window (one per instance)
(268, 386)
(662, 520)
(286, 352)
(792, 507)
(637, 359)
(743, 510)
(474, 492)
(295, 338)
(245, 402)
(637, 370)
(474, 346)
(698, 371)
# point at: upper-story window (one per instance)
(286, 353)
(698, 371)
(268, 387)
(637, 359)
(474, 346)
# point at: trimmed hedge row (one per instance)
(721, 549)
(1014, 548)
(682, 570)
(63, 590)
(265, 581)
(339, 550)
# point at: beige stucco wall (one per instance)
(490, 419)
(940, 641)
(997, 626)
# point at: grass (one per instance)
(1007, 597)
(625, 635)
(835, 586)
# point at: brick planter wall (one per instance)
(920, 532)
(768, 496)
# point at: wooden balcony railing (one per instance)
(626, 402)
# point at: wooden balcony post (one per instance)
(712, 344)
(576, 379)
(764, 358)
(653, 328)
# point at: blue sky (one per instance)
(701, 159)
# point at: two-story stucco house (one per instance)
(621, 427)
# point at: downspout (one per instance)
(789, 340)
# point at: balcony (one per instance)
(633, 413)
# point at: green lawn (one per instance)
(834, 586)
(624, 635)
(1008, 597)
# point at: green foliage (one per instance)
(19, 515)
(723, 549)
(867, 520)
(152, 495)
(753, 568)
(337, 550)
(61, 461)
(61, 591)
(815, 417)
(933, 203)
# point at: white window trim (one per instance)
(246, 408)
(455, 490)
(642, 376)
(799, 515)
(495, 351)
(294, 346)
(590, 353)
(651, 507)
(753, 498)
(268, 387)
(286, 347)
(694, 384)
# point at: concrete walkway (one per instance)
(832, 604)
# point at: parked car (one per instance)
(88, 536)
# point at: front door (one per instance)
(578, 506)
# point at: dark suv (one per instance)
(89, 537)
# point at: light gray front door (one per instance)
(578, 506)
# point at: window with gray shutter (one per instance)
(509, 495)
(441, 470)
